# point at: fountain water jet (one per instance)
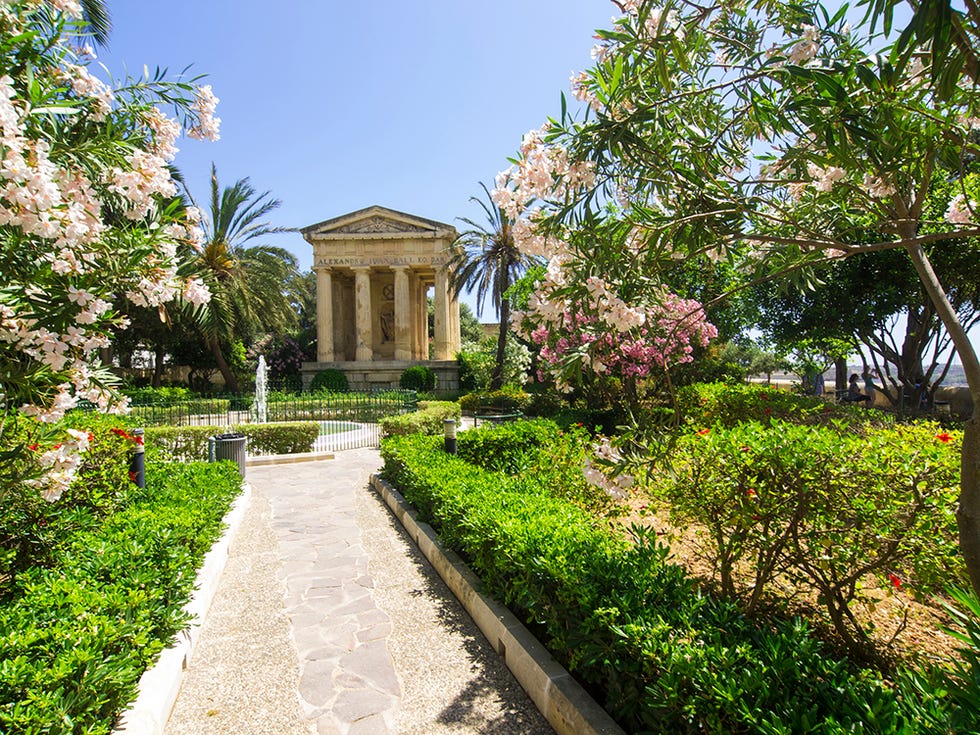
(258, 412)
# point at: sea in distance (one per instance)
(954, 378)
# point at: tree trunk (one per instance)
(158, 366)
(497, 379)
(840, 374)
(231, 382)
(968, 513)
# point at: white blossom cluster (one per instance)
(599, 475)
(60, 463)
(61, 252)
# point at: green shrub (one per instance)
(330, 379)
(419, 378)
(509, 447)
(824, 506)
(190, 443)
(165, 394)
(510, 398)
(78, 632)
(427, 420)
(30, 526)
(728, 404)
(632, 627)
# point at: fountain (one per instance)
(258, 412)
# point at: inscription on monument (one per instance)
(383, 260)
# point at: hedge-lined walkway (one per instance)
(328, 621)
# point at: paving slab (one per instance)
(329, 620)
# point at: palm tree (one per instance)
(485, 258)
(96, 13)
(247, 282)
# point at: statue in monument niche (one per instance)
(388, 323)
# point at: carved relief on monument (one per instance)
(377, 224)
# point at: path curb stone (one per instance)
(569, 709)
(159, 685)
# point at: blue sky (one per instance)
(335, 106)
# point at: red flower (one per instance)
(132, 476)
(703, 432)
(767, 411)
(750, 492)
(91, 437)
(895, 580)
(32, 447)
(944, 437)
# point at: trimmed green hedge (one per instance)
(728, 404)
(508, 397)
(634, 628)
(175, 443)
(427, 420)
(77, 633)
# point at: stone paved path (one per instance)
(329, 621)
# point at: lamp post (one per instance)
(449, 430)
(137, 463)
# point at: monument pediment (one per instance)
(377, 221)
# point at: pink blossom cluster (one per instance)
(607, 336)
(960, 212)
(60, 464)
(582, 90)
(206, 127)
(85, 85)
(544, 172)
(806, 48)
(71, 8)
(825, 178)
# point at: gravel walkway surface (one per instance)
(327, 620)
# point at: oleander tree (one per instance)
(769, 133)
(87, 210)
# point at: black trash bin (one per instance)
(230, 446)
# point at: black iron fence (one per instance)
(347, 420)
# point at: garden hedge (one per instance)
(660, 655)
(77, 631)
(176, 443)
(427, 420)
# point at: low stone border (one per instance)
(264, 459)
(569, 709)
(159, 685)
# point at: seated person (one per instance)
(854, 394)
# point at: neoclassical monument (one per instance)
(374, 269)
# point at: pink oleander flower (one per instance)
(197, 292)
(959, 211)
(207, 124)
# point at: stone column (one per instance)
(441, 338)
(421, 321)
(455, 339)
(403, 314)
(324, 315)
(362, 313)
